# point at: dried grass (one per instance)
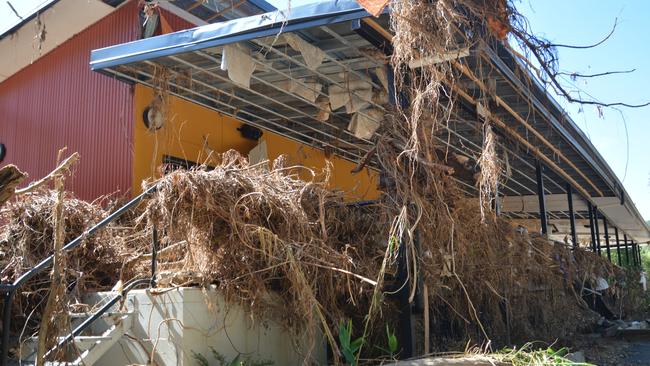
(281, 247)
(27, 237)
(295, 252)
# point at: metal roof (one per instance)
(211, 11)
(529, 116)
(45, 5)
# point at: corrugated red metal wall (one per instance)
(58, 101)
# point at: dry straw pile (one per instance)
(26, 238)
(295, 252)
(277, 245)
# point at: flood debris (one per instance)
(296, 252)
(276, 240)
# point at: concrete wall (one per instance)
(186, 320)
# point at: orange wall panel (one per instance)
(189, 125)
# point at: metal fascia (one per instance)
(236, 30)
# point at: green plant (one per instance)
(391, 343)
(529, 356)
(349, 347)
(221, 360)
(200, 359)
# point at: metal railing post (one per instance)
(6, 324)
(154, 256)
(9, 289)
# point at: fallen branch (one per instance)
(65, 165)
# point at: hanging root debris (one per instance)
(489, 164)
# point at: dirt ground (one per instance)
(617, 350)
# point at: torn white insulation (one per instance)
(239, 64)
(482, 111)
(363, 125)
(380, 97)
(358, 101)
(312, 55)
(309, 90)
(354, 95)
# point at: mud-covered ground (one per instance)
(615, 347)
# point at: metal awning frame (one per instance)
(198, 42)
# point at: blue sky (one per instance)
(584, 22)
(576, 22)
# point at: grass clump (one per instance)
(529, 355)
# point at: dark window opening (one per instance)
(172, 163)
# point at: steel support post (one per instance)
(540, 195)
(497, 201)
(591, 226)
(597, 229)
(154, 256)
(606, 232)
(572, 215)
(405, 329)
(627, 253)
(618, 247)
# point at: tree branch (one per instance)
(547, 69)
(14, 9)
(579, 75)
(556, 45)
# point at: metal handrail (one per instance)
(8, 290)
(96, 315)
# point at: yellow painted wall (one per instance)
(189, 123)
